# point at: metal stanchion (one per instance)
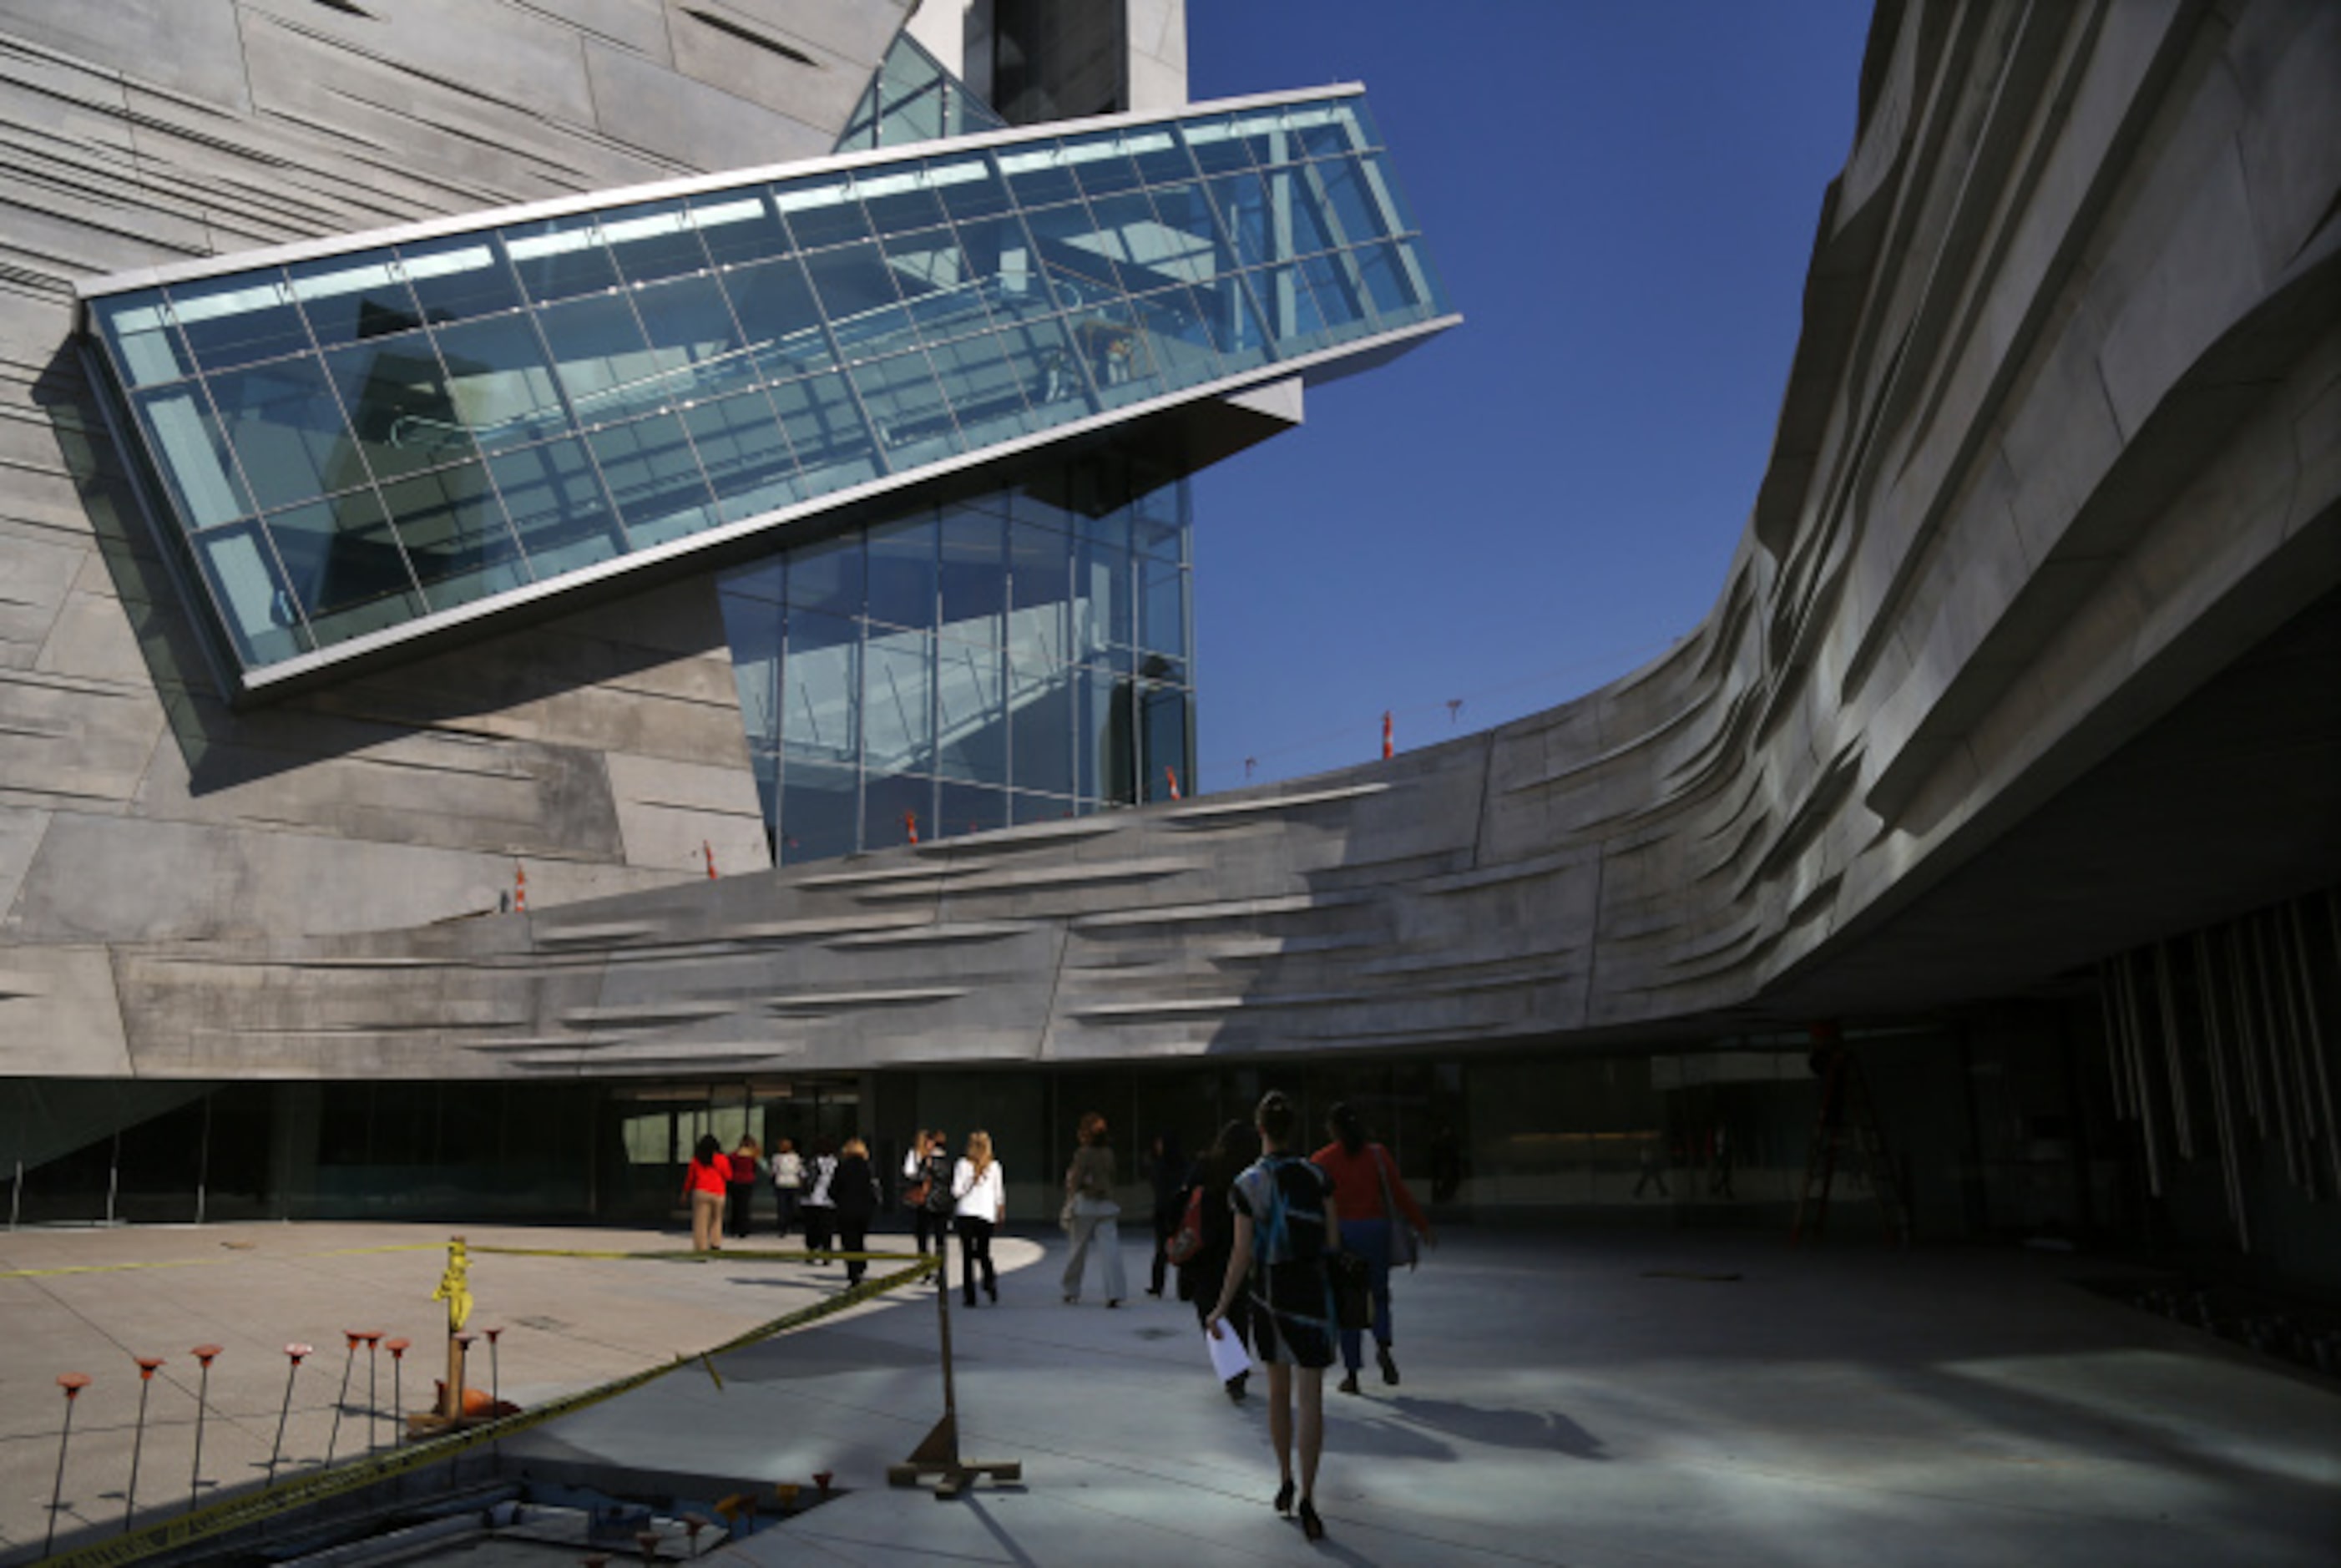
(146, 1365)
(73, 1383)
(202, 1353)
(292, 1355)
(397, 1348)
(373, 1338)
(342, 1400)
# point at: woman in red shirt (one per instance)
(703, 1180)
(1373, 1202)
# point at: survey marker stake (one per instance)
(146, 1365)
(202, 1353)
(292, 1354)
(73, 1383)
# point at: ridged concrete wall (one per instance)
(2060, 447)
(601, 751)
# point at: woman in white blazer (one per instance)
(981, 1190)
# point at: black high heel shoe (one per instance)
(1310, 1526)
(1284, 1497)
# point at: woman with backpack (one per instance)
(1286, 1222)
(1381, 1223)
(1206, 1233)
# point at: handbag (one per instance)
(1403, 1246)
(1353, 1302)
(914, 1196)
(1187, 1239)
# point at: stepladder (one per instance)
(1847, 1133)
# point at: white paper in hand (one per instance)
(1228, 1356)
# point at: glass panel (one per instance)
(354, 298)
(1162, 727)
(1102, 598)
(902, 573)
(967, 186)
(1161, 158)
(697, 348)
(1116, 354)
(821, 213)
(455, 534)
(1387, 283)
(500, 382)
(896, 810)
(1107, 749)
(256, 607)
(745, 453)
(906, 407)
(751, 625)
(345, 566)
(944, 296)
(1040, 726)
(239, 320)
(654, 477)
(147, 348)
(857, 292)
(1024, 808)
(822, 688)
(558, 507)
(970, 712)
(819, 811)
(604, 361)
(559, 258)
(458, 278)
(1266, 137)
(193, 453)
(1185, 243)
(1216, 147)
(1074, 252)
(737, 226)
(1360, 215)
(1163, 605)
(1286, 306)
(828, 577)
(1055, 384)
(399, 406)
(1038, 586)
(1297, 221)
(1036, 176)
(287, 430)
(963, 808)
(898, 200)
(1100, 163)
(776, 310)
(655, 240)
(1323, 129)
(1336, 297)
(974, 575)
(1001, 253)
(897, 715)
(825, 427)
(983, 387)
(1179, 337)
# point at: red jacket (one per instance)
(1358, 1183)
(709, 1178)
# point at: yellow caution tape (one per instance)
(668, 1255)
(321, 1485)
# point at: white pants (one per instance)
(1094, 1218)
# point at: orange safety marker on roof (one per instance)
(910, 826)
(1170, 775)
(1387, 747)
(708, 850)
(520, 887)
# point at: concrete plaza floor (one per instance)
(1583, 1399)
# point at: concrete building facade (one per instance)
(2007, 747)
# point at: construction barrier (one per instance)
(323, 1485)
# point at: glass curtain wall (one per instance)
(378, 438)
(913, 99)
(1022, 656)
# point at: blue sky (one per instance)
(1622, 198)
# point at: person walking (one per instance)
(1091, 1211)
(1167, 1170)
(788, 1181)
(705, 1181)
(820, 1209)
(1383, 1221)
(927, 1190)
(1210, 1177)
(853, 1188)
(1287, 1221)
(746, 1160)
(979, 1189)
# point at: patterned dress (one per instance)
(1291, 1297)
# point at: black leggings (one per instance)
(975, 1247)
(926, 1223)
